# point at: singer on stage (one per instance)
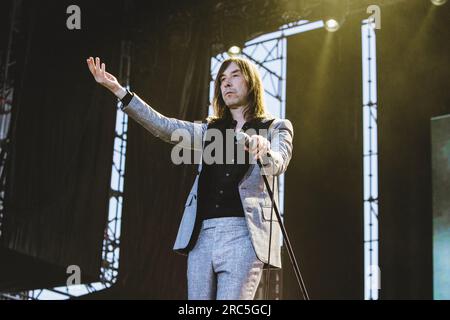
(228, 229)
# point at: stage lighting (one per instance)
(334, 13)
(438, 2)
(331, 25)
(234, 50)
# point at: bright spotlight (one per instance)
(334, 13)
(331, 25)
(234, 50)
(438, 2)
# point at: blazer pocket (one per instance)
(267, 212)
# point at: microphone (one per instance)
(243, 138)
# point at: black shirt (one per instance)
(218, 193)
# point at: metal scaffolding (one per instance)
(111, 242)
(370, 161)
(7, 63)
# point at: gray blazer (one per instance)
(255, 199)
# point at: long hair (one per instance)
(255, 108)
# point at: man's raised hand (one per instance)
(105, 78)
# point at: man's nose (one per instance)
(226, 82)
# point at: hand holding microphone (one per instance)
(256, 145)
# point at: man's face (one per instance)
(233, 86)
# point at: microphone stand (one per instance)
(287, 242)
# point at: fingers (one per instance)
(258, 146)
(94, 65)
(98, 69)
(253, 144)
(262, 147)
(91, 65)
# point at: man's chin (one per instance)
(233, 105)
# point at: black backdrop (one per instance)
(324, 183)
(324, 180)
(170, 71)
(413, 87)
(61, 139)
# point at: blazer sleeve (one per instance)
(277, 160)
(184, 133)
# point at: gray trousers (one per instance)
(223, 264)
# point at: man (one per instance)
(227, 228)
